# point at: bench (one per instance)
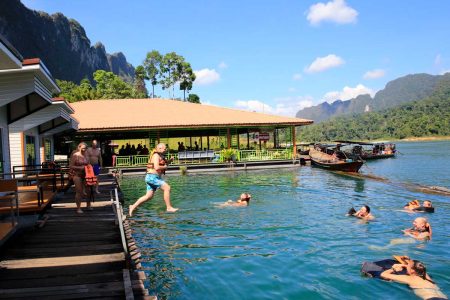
(196, 155)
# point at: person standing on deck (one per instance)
(156, 167)
(94, 155)
(78, 161)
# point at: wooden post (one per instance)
(275, 138)
(207, 141)
(190, 142)
(248, 140)
(201, 143)
(228, 138)
(157, 136)
(238, 142)
(294, 143)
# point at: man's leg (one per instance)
(166, 189)
(139, 201)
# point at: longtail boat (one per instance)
(322, 156)
(369, 151)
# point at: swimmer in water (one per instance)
(416, 278)
(411, 205)
(244, 200)
(421, 229)
(426, 207)
(364, 213)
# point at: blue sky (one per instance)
(274, 56)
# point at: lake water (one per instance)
(294, 240)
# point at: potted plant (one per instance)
(228, 155)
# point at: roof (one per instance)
(120, 114)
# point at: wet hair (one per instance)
(351, 211)
(367, 208)
(420, 269)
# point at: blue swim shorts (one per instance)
(153, 182)
(96, 168)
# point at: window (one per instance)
(48, 149)
(1, 151)
(30, 150)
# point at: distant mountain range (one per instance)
(61, 43)
(401, 90)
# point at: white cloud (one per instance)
(283, 106)
(292, 89)
(334, 11)
(206, 76)
(374, 74)
(297, 76)
(323, 63)
(438, 60)
(347, 93)
(223, 65)
(253, 105)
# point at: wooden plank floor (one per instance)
(71, 257)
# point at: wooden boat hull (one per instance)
(377, 156)
(352, 166)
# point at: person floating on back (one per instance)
(156, 167)
(421, 229)
(414, 274)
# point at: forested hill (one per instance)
(401, 90)
(422, 118)
(60, 42)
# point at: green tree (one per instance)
(66, 88)
(187, 77)
(170, 71)
(193, 98)
(111, 86)
(140, 91)
(152, 65)
(72, 92)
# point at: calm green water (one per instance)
(293, 241)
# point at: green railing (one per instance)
(196, 158)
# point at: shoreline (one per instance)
(425, 139)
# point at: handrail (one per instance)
(210, 157)
(118, 211)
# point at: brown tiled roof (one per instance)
(31, 61)
(120, 114)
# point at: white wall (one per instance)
(5, 140)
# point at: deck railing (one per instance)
(208, 157)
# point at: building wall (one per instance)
(5, 140)
(15, 86)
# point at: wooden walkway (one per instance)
(71, 256)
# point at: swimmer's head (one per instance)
(416, 267)
(420, 222)
(365, 209)
(427, 203)
(245, 197)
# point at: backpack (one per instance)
(90, 177)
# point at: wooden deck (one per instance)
(71, 256)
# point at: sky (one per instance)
(274, 56)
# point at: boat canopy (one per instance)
(361, 143)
